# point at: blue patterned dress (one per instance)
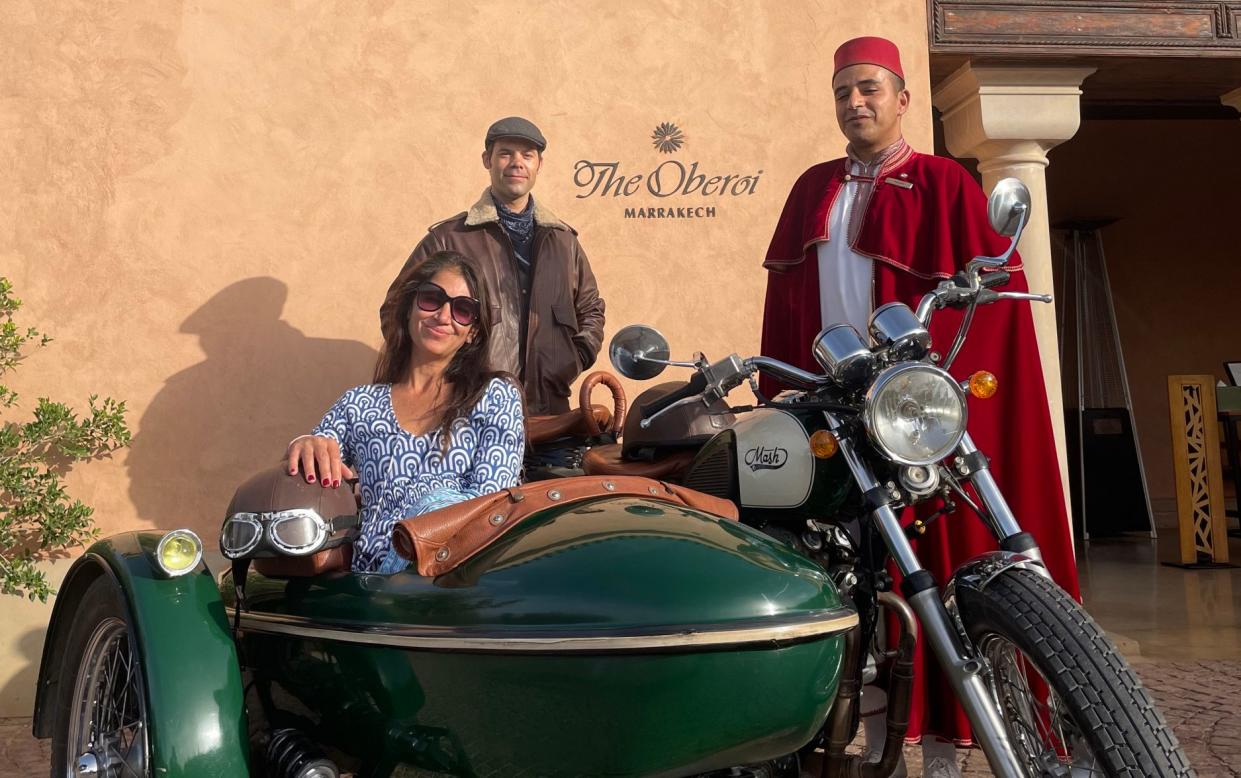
(396, 468)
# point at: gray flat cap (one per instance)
(516, 127)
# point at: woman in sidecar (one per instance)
(584, 626)
(434, 428)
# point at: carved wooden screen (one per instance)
(1199, 482)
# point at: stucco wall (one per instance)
(1171, 257)
(204, 203)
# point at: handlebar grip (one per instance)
(995, 278)
(695, 385)
(960, 279)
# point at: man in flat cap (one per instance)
(546, 313)
(886, 223)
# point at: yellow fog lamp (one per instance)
(178, 552)
(983, 385)
(824, 444)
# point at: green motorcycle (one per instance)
(607, 624)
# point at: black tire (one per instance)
(101, 690)
(1097, 696)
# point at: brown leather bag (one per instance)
(441, 540)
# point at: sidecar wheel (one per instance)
(101, 724)
(1072, 704)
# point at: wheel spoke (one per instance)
(1047, 741)
(109, 712)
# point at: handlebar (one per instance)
(995, 278)
(788, 373)
(967, 289)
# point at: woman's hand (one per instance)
(317, 457)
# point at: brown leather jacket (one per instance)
(565, 325)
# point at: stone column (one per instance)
(1232, 99)
(1008, 118)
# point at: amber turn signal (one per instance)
(984, 385)
(824, 444)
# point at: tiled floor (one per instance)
(1181, 629)
(1157, 612)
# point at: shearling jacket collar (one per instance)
(484, 212)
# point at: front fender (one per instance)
(980, 571)
(194, 692)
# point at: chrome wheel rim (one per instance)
(1046, 739)
(107, 718)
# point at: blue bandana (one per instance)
(520, 230)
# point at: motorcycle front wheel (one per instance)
(1072, 705)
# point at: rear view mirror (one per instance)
(638, 352)
(1008, 208)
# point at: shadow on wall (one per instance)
(263, 383)
(17, 696)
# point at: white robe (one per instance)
(845, 277)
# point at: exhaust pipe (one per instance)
(842, 722)
(900, 688)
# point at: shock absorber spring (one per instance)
(290, 754)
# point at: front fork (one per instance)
(963, 668)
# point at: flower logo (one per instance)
(667, 138)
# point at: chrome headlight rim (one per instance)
(166, 539)
(886, 377)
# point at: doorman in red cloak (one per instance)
(886, 223)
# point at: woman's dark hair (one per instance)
(468, 373)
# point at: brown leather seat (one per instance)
(541, 429)
(606, 460)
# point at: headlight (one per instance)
(915, 414)
(178, 552)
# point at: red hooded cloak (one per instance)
(925, 219)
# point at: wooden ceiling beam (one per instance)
(1084, 28)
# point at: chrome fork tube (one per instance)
(890, 526)
(998, 516)
(1003, 522)
(964, 671)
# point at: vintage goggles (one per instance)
(296, 532)
(431, 297)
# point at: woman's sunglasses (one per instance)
(431, 297)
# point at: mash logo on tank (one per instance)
(766, 458)
(684, 189)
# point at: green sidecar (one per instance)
(616, 634)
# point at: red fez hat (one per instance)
(869, 51)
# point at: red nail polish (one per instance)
(310, 479)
